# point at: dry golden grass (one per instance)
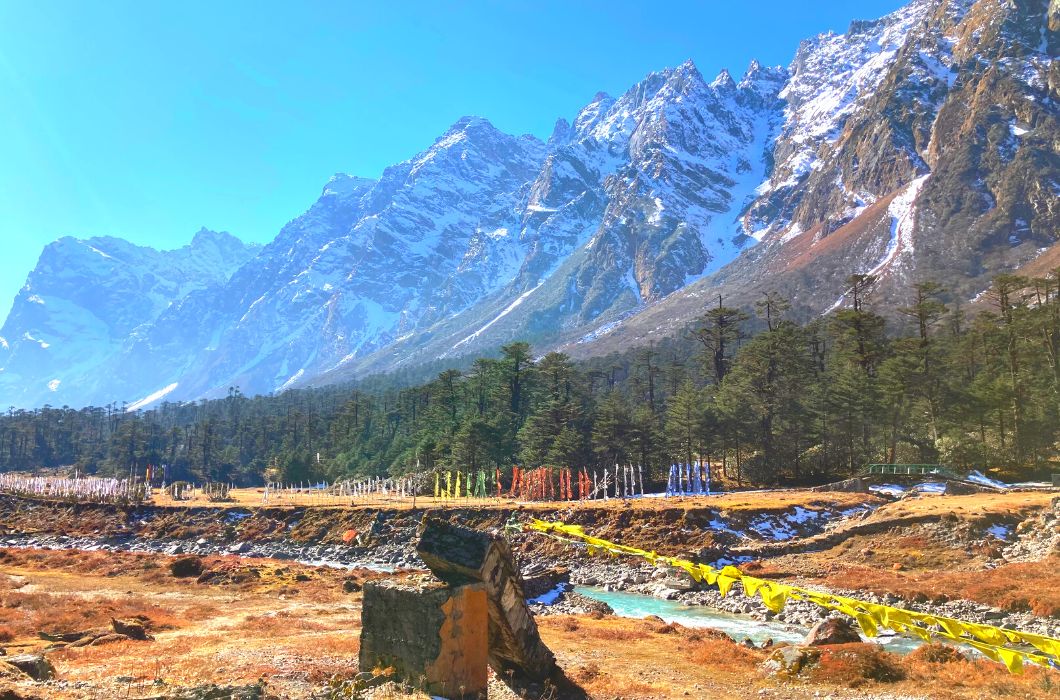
(974, 507)
(235, 634)
(295, 626)
(1018, 587)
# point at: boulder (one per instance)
(10, 692)
(834, 630)
(540, 582)
(788, 661)
(679, 583)
(9, 671)
(133, 629)
(33, 665)
(65, 637)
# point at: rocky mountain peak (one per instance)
(342, 185)
(561, 133)
(221, 240)
(469, 124)
(757, 74)
(591, 114)
(685, 75)
(723, 82)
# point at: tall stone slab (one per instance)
(459, 556)
(433, 635)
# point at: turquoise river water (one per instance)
(739, 627)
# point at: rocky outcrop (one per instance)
(33, 665)
(834, 630)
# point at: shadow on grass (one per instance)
(557, 687)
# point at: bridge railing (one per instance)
(910, 470)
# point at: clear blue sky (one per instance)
(148, 120)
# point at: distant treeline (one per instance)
(792, 403)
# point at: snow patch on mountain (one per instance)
(507, 310)
(151, 398)
(902, 211)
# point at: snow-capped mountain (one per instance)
(86, 299)
(941, 163)
(921, 144)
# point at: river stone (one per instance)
(834, 630)
(788, 661)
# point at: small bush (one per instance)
(587, 673)
(568, 624)
(186, 567)
(708, 650)
(856, 664)
(936, 653)
(613, 635)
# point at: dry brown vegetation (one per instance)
(653, 660)
(1021, 587)
(301, 637)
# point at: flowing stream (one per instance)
(739, 627)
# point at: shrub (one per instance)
(856, 664)
(936, 653)
(186, 567)
(568, 624)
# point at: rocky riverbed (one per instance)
(386, 542)
(625, 575)
(387, 556)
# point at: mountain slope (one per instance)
(369, 261)
(86, 299)
(946, 169)
(638, 197)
